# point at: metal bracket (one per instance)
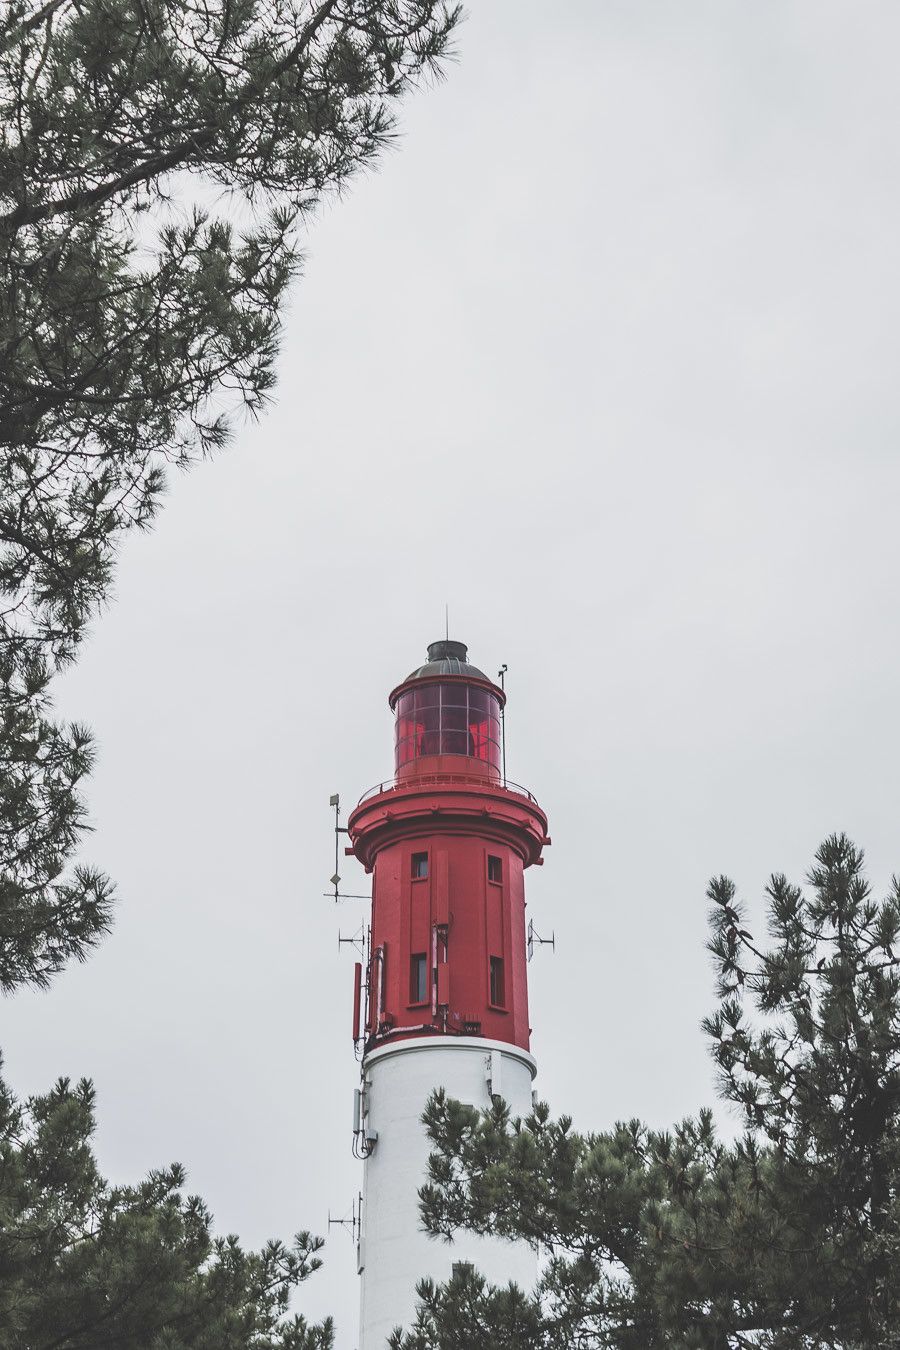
(493, 1073)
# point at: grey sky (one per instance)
(605, 355)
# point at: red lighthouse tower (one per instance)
(447, 841)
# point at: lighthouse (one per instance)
(441, 999)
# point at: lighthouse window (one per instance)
(419, 866)
(497, 991)
(418, 978)
(448, 718)
(495, 869)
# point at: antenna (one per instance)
(447, 620)
(357, 940)
(351, 1222)
(335, 880)
(501, 676)
(335, 801)
(534, 937)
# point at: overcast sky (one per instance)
(605, 356)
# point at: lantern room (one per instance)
(447, 717)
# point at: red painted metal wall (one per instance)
(457, 919)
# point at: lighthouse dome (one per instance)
(446, 658)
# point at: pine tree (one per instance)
(788, 1237)
(134, 315)
(85, 1265)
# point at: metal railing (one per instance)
(438, 780)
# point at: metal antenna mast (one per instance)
(501, 676)
(339, 829)
(535, 939)
(350, 1222)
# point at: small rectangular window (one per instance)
(497, 991)
(419, 866)
(418, 978)
(495, 869)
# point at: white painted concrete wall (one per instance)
(394, 1251)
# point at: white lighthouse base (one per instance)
(394, 1252)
